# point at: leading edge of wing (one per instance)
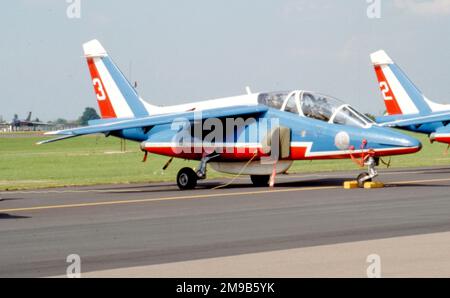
(158, 120)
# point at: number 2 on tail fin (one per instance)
(385, 90)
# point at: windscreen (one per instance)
(345, 116)
(329, 109)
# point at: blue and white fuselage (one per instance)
(246, 129)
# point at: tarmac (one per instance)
(307, 225)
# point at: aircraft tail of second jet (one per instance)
(116, 97)
(400, 95)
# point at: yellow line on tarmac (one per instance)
(197, 196)
(205, 196)
(420, 181)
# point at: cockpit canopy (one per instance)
(316, 106)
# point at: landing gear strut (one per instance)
(187, 178)
(201, 172)
(371, 164)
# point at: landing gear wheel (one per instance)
(260, 180)
(187, 179)
(362, 178)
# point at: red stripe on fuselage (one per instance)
(298, 153)
(243, 154)
(392, 106)
(232, 153)
(442, 139)
(106, 108)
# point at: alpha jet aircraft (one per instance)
(407, 107)
(17, 123)
(256, 134)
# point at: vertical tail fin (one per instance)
(400, 95)
(116, 97)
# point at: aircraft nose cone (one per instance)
(407, 142)
(397, 142)
(410, 142)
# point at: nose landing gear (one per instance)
(371, 162)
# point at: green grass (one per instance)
(98, 160)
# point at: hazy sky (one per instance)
(181, 51)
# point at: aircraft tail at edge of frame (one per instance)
(400, 95)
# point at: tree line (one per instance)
(88, 114)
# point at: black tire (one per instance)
(260, 180)
(186, 179)
(361, 181)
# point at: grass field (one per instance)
(99, 160)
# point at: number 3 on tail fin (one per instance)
(385, 90)
(101, 95)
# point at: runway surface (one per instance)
(122, 226)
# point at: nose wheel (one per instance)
(363, 178)
(187, 179)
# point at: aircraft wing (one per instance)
(441, 117)
(39, 123)
(148, 122)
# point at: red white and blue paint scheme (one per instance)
(309, 126)
(407, 107)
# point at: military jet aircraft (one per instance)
(256, 134)
(17, 123)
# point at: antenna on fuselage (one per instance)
(249, 91)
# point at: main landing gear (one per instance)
(187, 178)
(260, 180)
